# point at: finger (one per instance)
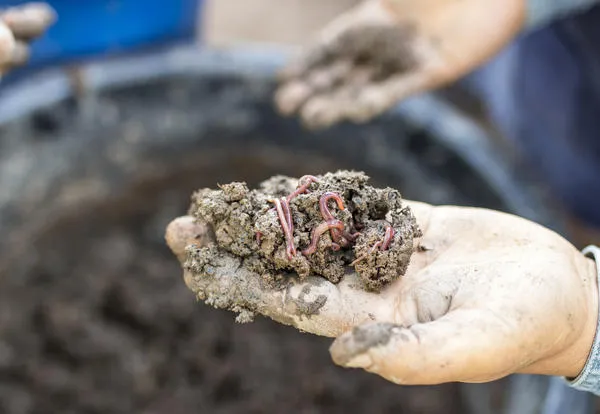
(184, 231)
(377, 98)
(318, 55)
(424, 295)
(291, 96)
(7, 45)
(30, 20)
(295, 93)
(326, 109)
(323, 111)
(359, 100)
(313, 305)
(464, 345)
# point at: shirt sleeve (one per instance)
(542, 12)
(589, 378)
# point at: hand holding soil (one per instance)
(383, 51)
(18, 27)
(486, 294)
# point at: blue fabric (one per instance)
(544, 92)
(93, 27)
(562, 399)
(589, 378)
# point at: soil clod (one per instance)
(312, 226)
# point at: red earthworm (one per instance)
(358, 259)
(375, 246)
(302, 187)
(323, 204)
(288, 214)
(287, 227)
(389, 237)
(336, 234)
(382, 244)
(318, 231)
(350, 237)
(364, 256)
(258, 237)
(303, 183)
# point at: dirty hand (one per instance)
(487, 294)
(382, 51)
(18, 27)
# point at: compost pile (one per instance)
(315, 225)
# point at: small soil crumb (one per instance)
(332, 221)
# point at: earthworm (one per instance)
(318, 231)
(381, 244)
(364, 256)
(375, 246)
(358, 260)
(302, 187)
(258, 237)
(336, 234)
(285, 206)
(389, 237)
(324, 200)
(287, 227)
(350, 237)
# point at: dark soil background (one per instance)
(99, 321)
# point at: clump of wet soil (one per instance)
(337, 221)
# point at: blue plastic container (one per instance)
(97, 27)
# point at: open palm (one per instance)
(383, 51)
(484, 296)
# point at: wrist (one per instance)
(582, 372)
(584, 347)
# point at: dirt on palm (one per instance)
(289, 226)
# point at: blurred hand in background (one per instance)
(18, 27)
(383, 51)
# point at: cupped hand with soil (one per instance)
(383, 51)
(486, 294)
(19, 26)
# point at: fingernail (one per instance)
(345, 352)
(351, 349)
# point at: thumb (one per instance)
(464, 345)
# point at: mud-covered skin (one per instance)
(249, 234)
